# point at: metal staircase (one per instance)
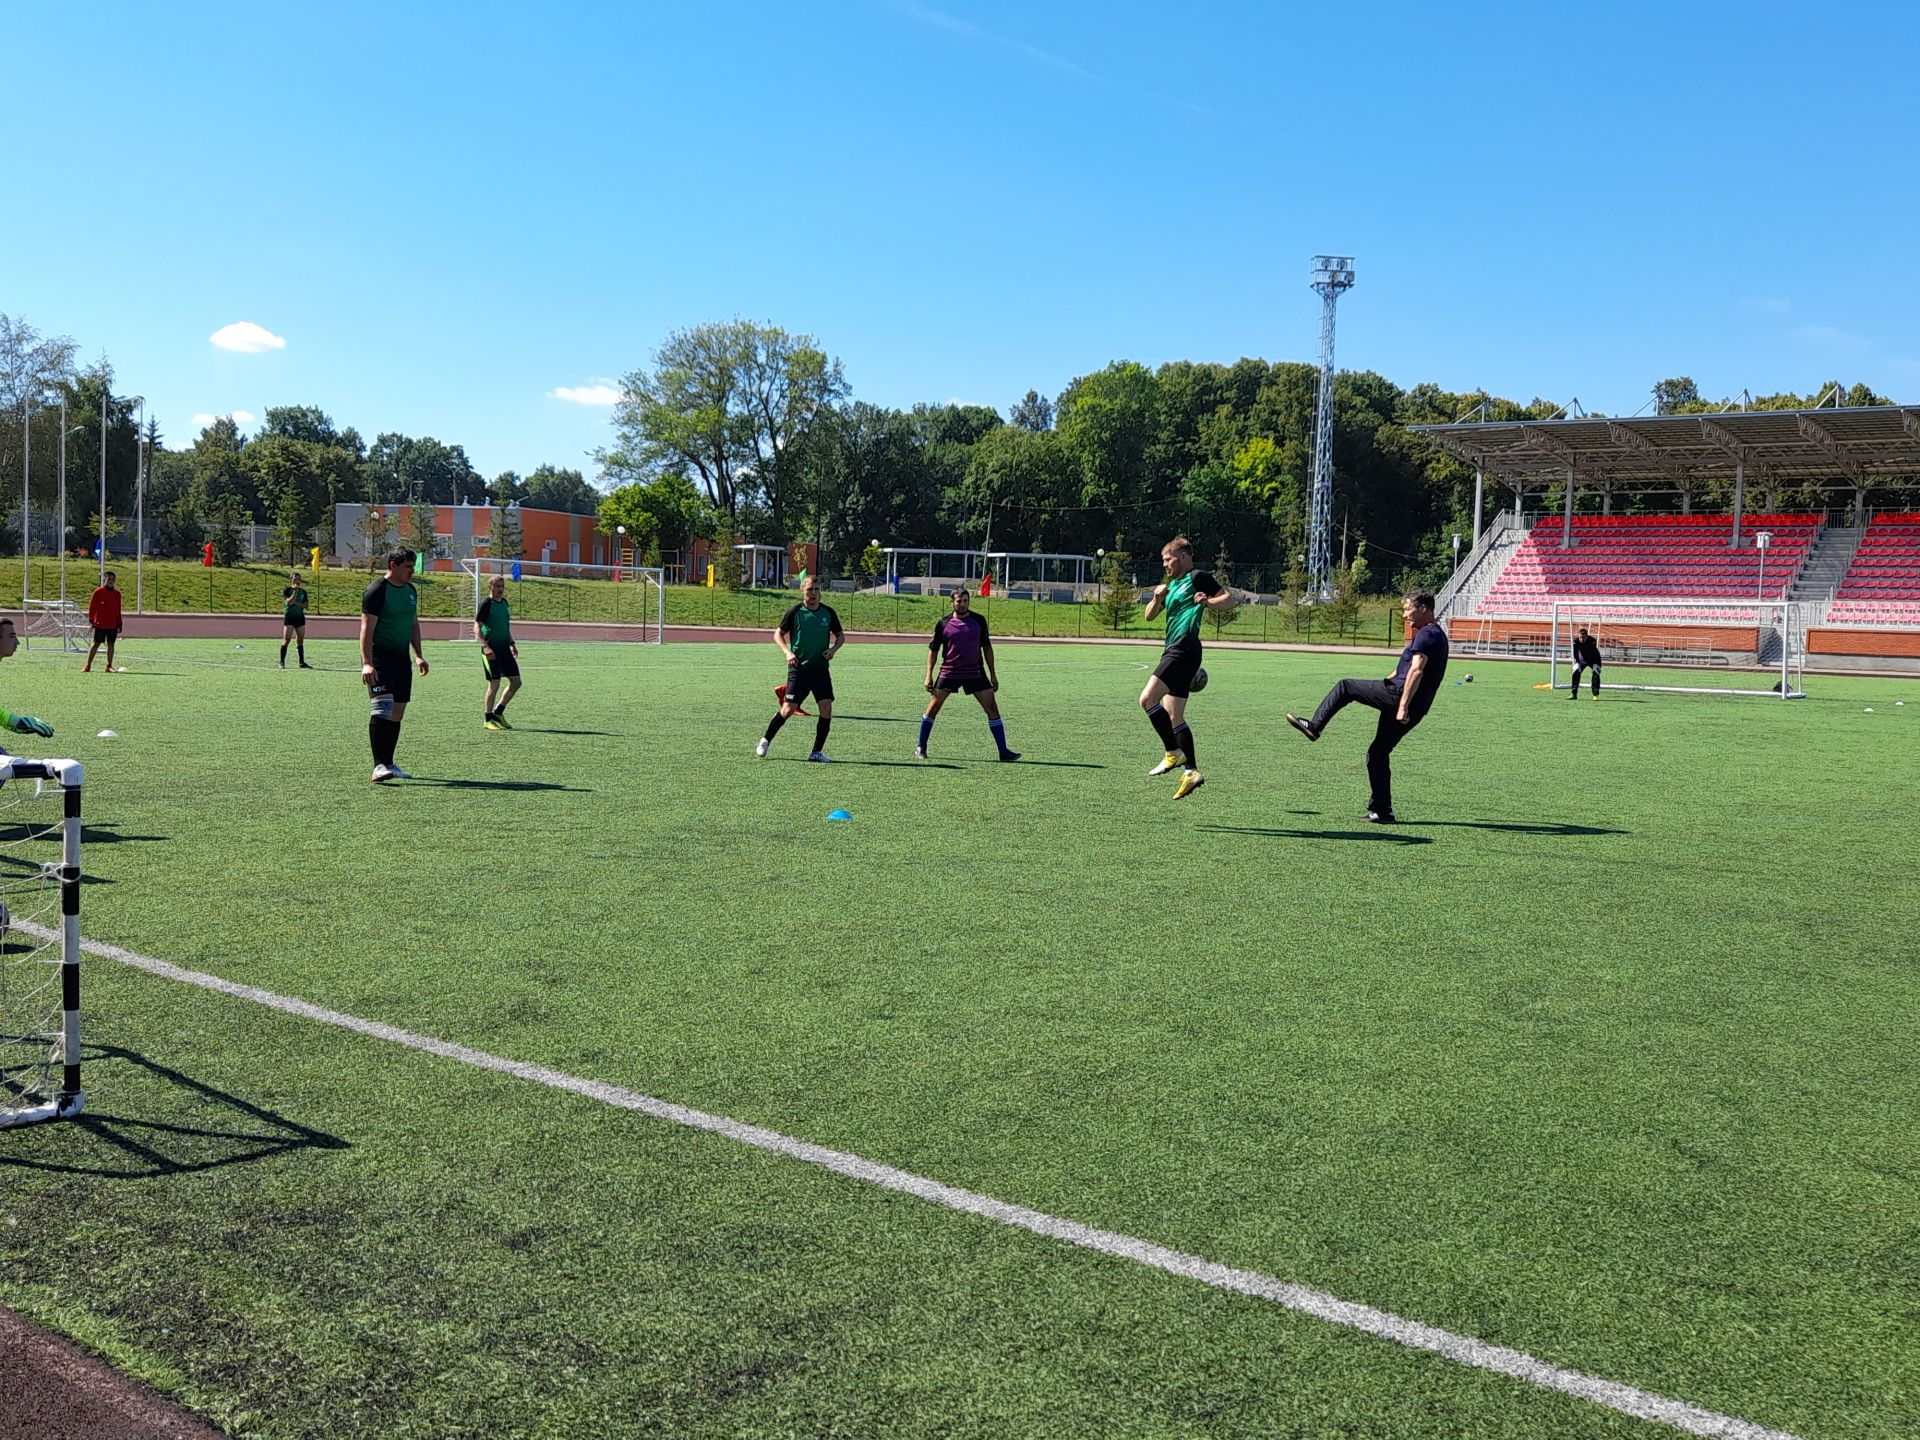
(1819, 578)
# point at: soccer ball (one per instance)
(1199, 681)
(1469, 679)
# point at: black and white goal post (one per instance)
(39, 940)
(626, 595)
(1685, 647)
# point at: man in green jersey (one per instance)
(499, 656)
(808, 636)
(293, 625)
(1183, 595)
(389, 627)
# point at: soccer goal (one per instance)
(1686, 647)
(588, 594)
(59, 620)
(39, 940)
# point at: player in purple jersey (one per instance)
(965, 652)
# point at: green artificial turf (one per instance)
(1607, 1054)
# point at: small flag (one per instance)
(986, 586)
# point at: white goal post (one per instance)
(633, 595)
(1686, 647)
(61, 620)
(39, 940)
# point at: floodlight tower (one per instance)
(1331, 275)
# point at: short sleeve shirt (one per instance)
(960, 641)
(296, 598)
(495, 621)
(1430, 641)
(1186, 602)
(811, 631)
(397, 607)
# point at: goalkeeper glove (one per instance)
(26, 725)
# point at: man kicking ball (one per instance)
(966, 663)
(1402, 699)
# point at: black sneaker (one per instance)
(1009, 756)
(1382, 817)
(1305, 727)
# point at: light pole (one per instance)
(140, 509)
(1456, 553)
(1761, 540)
(106, 403)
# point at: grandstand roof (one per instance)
(1838, 445)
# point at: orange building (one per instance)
(547, 537)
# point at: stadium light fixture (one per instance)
(1761, 540)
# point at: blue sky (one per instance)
(457, 216)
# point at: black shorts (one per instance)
(104, 636)
(500, 665)
(805, 680)
(294, 622)
(965, 684)
(1178, 665)
(392, 677)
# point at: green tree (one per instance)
(1118, 596)
(505, 532)
(552, 488)
(227, 519)
(179, 530)
(1034, 412)
(1223, 572)
(420, 536)
(290, 532)
(374, 529)
(727, 404)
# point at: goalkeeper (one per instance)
(18, 724)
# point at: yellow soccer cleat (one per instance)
(1189, 782)
(1169, 761)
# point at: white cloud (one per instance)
(206, 418)
(247, 338)
(600, 392)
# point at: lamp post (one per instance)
(1456, 552)
(1761, 540)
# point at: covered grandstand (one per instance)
(1852, 576)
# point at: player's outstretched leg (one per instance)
(820, 728)
(995, 725)
(500, 710)
(935, 700)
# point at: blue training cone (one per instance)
(839, 815)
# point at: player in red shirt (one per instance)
(103, 613)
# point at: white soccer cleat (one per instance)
(382, 773)
(821, 756)
(1169, 761)
(919, 752)
(394, 772)
(760, 749)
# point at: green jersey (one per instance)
(809, 632)
(397, 606)
(1186, 602)
(494, 620)
(296, 599)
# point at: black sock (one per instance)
(820, 728)
(373, 738)
(773, 725)
(1163, 727)
(386, 739)
(1185, 736)
(283, 652)
(303, 652)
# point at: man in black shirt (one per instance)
(809, 636)
(1402, 699)
(1586, 656)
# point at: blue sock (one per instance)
(999, 729)
(926, 729)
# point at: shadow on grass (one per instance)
(515, 785)
(1520, 827)
(877, 764)
(237, 1133)
(1049, 764)
(881, 719)
(1390, 833)
(95, 834)
(544, 730)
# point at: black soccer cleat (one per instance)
(1305, 727)
(1009, 756)
(1382, 817)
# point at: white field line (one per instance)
(1462, 1349)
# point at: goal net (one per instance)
(39, 939)
(61, 621)
(625, 595)
(1688, 647)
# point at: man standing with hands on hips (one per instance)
(389, 627)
